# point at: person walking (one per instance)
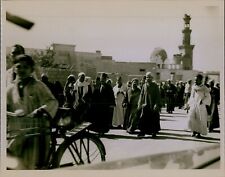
(214, 113)
(187, 94)
(130, 104)
(198, 116)
(68, 92)
(119, 92)
(149, 104)
(82, 93)
(102, 105)
(170, 96)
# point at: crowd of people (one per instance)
(135, 105)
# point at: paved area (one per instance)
(173, 147)
(174, 136)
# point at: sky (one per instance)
(125, 30)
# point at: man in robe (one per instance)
(149, 103)
(82, 93)
(119, 92)
(198, 116)
(102, 105)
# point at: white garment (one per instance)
(78, 84)
(118, 114)
(200, 97)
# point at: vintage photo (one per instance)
(113, 86)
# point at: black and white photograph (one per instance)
(112, 88)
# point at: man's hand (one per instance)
(19, 112)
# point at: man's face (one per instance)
(149, 78)
(81, 78)
(23, 70)
(134, 84)
(198, 81)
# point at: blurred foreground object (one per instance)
(19, 21)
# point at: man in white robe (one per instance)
(119, 93)
(200, 97)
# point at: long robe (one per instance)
(101, 109)
(118, 114)
(214, 117)
(198, 116)
(82, 93)
(131, 113)
(149, 102)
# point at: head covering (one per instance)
(81, 73)
(148, 74)
(71, 76)
(134, 79)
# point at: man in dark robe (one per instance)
(102, 105)
(149, 104)
(170, 95)
(214, 113)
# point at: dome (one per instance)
(158, 55)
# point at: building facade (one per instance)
(70, 61)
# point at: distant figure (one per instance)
(102, 105)
(58, 92)
(149, 104)
(170, 96)
(130, 102)
(83, 93)
(162, 88)
(44, 79)
(119, 92)
(198, 116)
(15, 51)
(180, 94)
(187, 94)
(68, 91)
(214, 113)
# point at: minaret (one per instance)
(187, 49)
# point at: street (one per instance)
(173, 136)
(174, 141)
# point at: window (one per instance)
(142, 70)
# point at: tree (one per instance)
(159, 52)
(44, 58)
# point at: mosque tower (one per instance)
(186, 48)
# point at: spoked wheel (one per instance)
(77, 150)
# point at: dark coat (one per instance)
(149, 102)
(101, 110)
(131, 114)
(215, 95)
